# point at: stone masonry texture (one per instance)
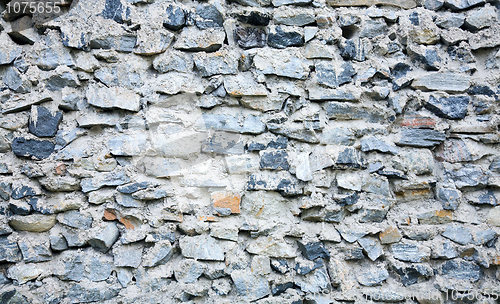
(250, 151)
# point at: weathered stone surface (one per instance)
(195, 40)
(75, 219)
(175, 17)
(188, 271)
(486, 38)
(127, 255)
(372, 276)
(343, 111)
(274, 160)
(372, 247)
(201, 247)
(468, 176)
(457, 5)
(449, 197)
(105, 238)
(316, 281)
(243, 85)
(208, 16)
(454, 107)
(494, 217)
(249, 37)
(221, 62)
(390, 235)
(42, 123)
(23, 273)
(292, 17)
(281, 63)
(281, 37)
(312, 251)
(334, 75)
(421, 138)
(283, 182)
(32, 148)
(117, 97)
(462, 270)
(9, 251)
(275, 248)
(406, 4)
(250, 286)
(458, 234)
(410, 252)
(446, 81)
(33, 223)
(114, 178)
(375, 144)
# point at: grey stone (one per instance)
(201, 247)
(222, 62)
(372, 247)
(20, 207)
(421, 138)
(486, 38)
(16, 81)
(75, 219)
(332, 76)
(92, 292)
(410, 252)
(433, 4)
(188, 271)
(250, 37)
(242, 84)
(223, 143)
(338, 136)
(23, 273)
(288, 2)
(350, 236)
(458, 234)
(42, 122)
(22, 191)
(350, 158)
(122, 42)
(250, 124)
(9, 251)
(208, 16)
(313, 250)
(134, 187)
(34, 252)
(114, 178)
(173, 61)
(458, 5)
(314, 282)
(449, 197)
(117, 98)
(411, 274)
(450, 20)
(194, 40)
(282, 182)
(372, 276)
(281, 266)
(444, 250)
(454, 107)
(151, 194)
(250, 286)
(495, 165)
(372, 28)
(159, 254)
(446, 81)
(58, 242)
(343, 111)
(105, 238)
(127, 76)
(175, 17)
(281, 37)
(62, 78)
(33, 222)
(9, 51)
(274, 160)
(253, 17)
(127, 255)
(286, 63)
(295, 131)
(375, 144)
(298, 17)
(484, 236)
(462, 270)
(64, 138)
(481, 18)
(468, 176)
(304, 267)
(32, 148)
(126, 200)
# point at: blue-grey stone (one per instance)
(444, 250)
(75, 219)
(281, 181)
(32, 148)
(372, 276)
(450, 198)
(495, 165)
(127, 255)
(411, 274)
(372, 247)
(253, 17)
(313, 250)
(116, 11)
(34, 253)
(223, 143)
(64, 138)
(350, 158)
(22, 191)
(454, 107)
(421, 138)
(43, 123)
(458, 5)
(282, 38)
(250, 37)
(372, 28)
(15, 81)
(303, 267)
(188, 271)
(328, 75)
(274, 160)
(201, 247)
(249, 286)
(58, 242)
(175, 17)
(124, 43)
(482, 237)
(96, 292)
(458, 234)
(450, 20)
(20, 207)
(459, 269)
(468, 176)
(114, 178)
(344, 111)
(9, 251)
(314, 282)
(105, 239)
(59, 81)
(375, 144)
(251, 124)
(281, 266)
(353, 49)
(208, 16)
(350, 236)
(134, 187)
(410, 252)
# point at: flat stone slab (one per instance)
(406, 4)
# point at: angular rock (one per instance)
(457, 5)
(458, 235)
(22, 273)
(250, 286)
(105, 238)
(113, 98)
(343, 111)
(243, 84)
(375, 144)
(221, 62)
(127, 255)
(201, 247)
(253, 17)
(304, 267)
(486, 38)
(274, 160)
(195, 40)
(34, 252)
(75, 219)
(268, 246)
(449, 197)
(173, 61)
(249, 37)
(9, 251)
(114, 178)
(447, 81)
(468, 176)
(372, 248)
(312, 251)
(410, 252)
(333, 76)
(175, 17)
(390, 235)
(454, 107)
(294, 17)
(284, 63)
(314, 282)
(9, 50)
(250, 124)
(411, 274)
(32, 148)
(421, 138)
(281, 37)
(462, 270)
(208, 16)
(372, 276)
(282, 182)
(188, 271)
(43, 123)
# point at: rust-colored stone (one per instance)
(207, 218)
(109, 215)
(60, 169)
(127, 223)
(227, 200)
(390, 235)
(418, 122)
(496, 260)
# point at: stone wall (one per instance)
(276, 151)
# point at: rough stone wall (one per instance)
(283, 151)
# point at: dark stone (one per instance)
(75, 219)
(353, 49)
(312, 251)
(281, 288)
(305, 269)
(355, 253)
(274, 160)
(44, 124)
(349, 199)
(286, 185)
(223, 143)
(175, 18)
(450, 198)
(254, 18)
(282, 39)
(350, 158)
(255, 147)
(9, 252)
(400, 70)
(430, 59)
(22, 191)
(410, 275)
(393, 174)
(20, 207)
(249, 37)
(462, 270)
(134, 187)
(454, 107)
(280, 266)
(344, 111)
(327, 75)
(115, 10)
(424, 138)
(488, 198)
(481, 90)
(59, 81)
(34, 203)
(5, 190)
(414, 18)
(97, 293)
(13, 297)
(35, 253)
(32, 148)
(208, 16)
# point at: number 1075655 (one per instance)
(33, 7)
